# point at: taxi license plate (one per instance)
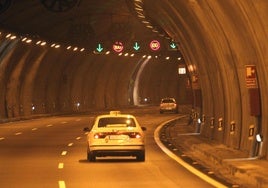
(117, 137)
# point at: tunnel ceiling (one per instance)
(75, 22)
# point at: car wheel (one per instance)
(91, 157)
(141, 156)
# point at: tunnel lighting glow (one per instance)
(126, 54)
(24, 39)
(75, 49)
(156, 57)
(140, 14)
(144, 56)
(182, 70)
(137, 5)
(38, 42)
(43, 43)
(167, 58)
(13, 37)
(191, 68)
(52, 45)
(69, 47)
(149, 57)
(138, 9)
(154, 30)
(57, 46)
(107, 53)
(120, 54)
(29, 41)
(149, 26)
(132, 55)
(259, 138)
(145, 22)
(82, 49)
(179, 58)
(8, 35)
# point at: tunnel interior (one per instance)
(86, 55)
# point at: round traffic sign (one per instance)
(118, 47)
(155, 45)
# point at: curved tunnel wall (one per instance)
(37, 80)
(219, 39)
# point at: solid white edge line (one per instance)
(183, 163)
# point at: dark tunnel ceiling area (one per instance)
(83, 23)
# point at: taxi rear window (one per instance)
(116, 121)
(168, 101)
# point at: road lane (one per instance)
(55, 156)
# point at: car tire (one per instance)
(141, 156)
(91, 157)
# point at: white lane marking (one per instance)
(18, 133)
(64, 153)
(70, 144)
(61, 184)
(49, 125)
(182, 162)
(63, 122)
(34, 129)
(60, 165)
(78, 138)
(86, 133)
(78, 119)
(2, 138)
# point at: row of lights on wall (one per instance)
(138, 6)
(56, 46)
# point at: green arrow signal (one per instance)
(136, 46)
(173, 45)
(99, 48)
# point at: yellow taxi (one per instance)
(115, 134)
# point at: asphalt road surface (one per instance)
(51, 153)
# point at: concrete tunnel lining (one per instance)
(219, 39)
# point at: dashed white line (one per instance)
(61, 184)
(34, 129)
(78, 138)
(2, 138)
(78, 119)
(70, 144)
(49, 125)
(18, 133)
(63, 122)
(60, 165)
(64, 153)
